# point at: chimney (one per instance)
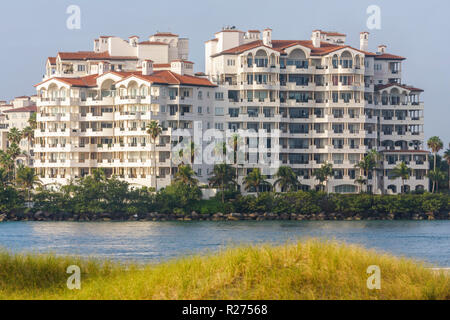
(133, 40)
(147, 67)
(382, 48)
(267, 37)
(364, 41)
(315, 38)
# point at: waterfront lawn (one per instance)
(306, 270)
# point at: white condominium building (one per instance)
(331, 102)
(93, 109)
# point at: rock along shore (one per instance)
(194, 216)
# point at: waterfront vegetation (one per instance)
(305, 270)
(23, 197)
(96, 195)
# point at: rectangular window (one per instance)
(81, 67)
(199, 110)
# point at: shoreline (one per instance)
(194, 216)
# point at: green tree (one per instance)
(32, 121)
(223, 177)
(361, 181)
(323, 173)
(402, 171)
(14, 136)
(287, 179)
(154, 130)
(375, 158)
(436, 176)
(27, 179)
(447, 158)
(4, 178)
(28, 134)
(366, 165)
(254, 180)
(185, 175)
(435, 144)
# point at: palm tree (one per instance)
(287, 178)
(32, 121)
(361, 181)
(154, 130)
(14, 136)
(27, 179)
(254, 180)
(323, 173)
(447, 158)
(4, 178)
(185, 174)
(28, 133)
(435, 144)
(375, 157)
(221, 149)
(223, 176)
(436, 176)
(402, 171)
(236, 140)
(367, 164)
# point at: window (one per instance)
(218, 126)
(81, 67)
(200, 95)
(219, 95)
(199, 110)
(231, 62)
(219, 111)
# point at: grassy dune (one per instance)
(306, 270)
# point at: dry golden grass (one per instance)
(306, 270)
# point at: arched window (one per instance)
(297, 58)
(346, 60)
(261, 59)
(335, 61)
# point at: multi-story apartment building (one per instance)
(330, 102)
(16, 115)
(93, 109)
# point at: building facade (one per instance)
(325, 100)
(16, 114)
(329, 102)
(96, 117)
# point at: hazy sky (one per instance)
(30, 31)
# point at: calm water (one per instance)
(155, 241)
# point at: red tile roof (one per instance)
(23, 109)
(169, 77)
(91, 55)
(280, 45)
(52, 60)
(165, 34)
(388, 85)
(162, 77)
(161, 65)
(331, 33)
(388, 56)
(87, 81)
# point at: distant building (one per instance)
(331, 102)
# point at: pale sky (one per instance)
(30, 31)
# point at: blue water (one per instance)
(156, 241)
